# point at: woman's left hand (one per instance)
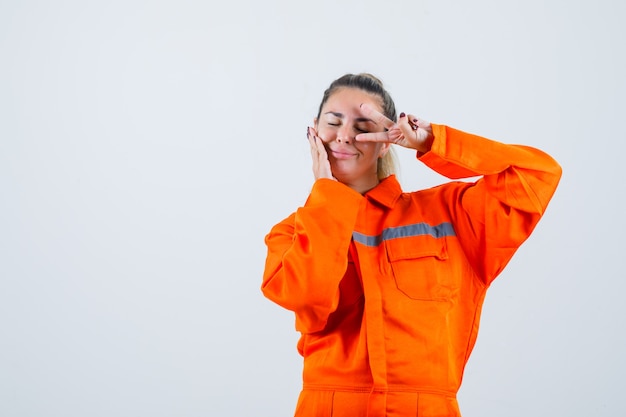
(409, 131)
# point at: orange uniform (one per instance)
(387, 287)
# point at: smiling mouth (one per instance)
(342, 154)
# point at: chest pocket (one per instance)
(421, 268)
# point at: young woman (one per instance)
(387, 286)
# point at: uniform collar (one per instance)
(386, 192)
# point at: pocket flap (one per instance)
(416, 247)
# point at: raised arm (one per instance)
(497, 213)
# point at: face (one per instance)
(353, 163)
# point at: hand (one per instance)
(409, 131)
(321, 165)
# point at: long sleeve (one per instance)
(308, 254)
(498, 212)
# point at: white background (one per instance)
(146, 147)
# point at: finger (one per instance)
(373, 137)
(315, 155)
(319, 154)
(419, 133)
(311, 138)
(376, 116)
(317, 146)
(311, 131)
(407, 126)
(321, 149)
(321, 164)
(419, 123)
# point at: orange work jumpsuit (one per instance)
(387, 287)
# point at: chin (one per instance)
(340, 174)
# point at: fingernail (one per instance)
(414, 120)
(402, 115)
(307, 131)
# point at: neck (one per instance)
(363, 186)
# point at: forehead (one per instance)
(350, 98)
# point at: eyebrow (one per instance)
(358, 119)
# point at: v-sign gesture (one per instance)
(409, 131)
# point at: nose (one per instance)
(344, 135)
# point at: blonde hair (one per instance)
(387, 165)
(373, 85)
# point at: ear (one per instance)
(384, 149)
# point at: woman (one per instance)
(387, 286)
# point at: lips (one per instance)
(342, 153)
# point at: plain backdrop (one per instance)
(147, 147)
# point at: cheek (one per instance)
(369, 148)
(326, 135)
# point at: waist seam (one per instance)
(368, 389)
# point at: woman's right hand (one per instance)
(321, 165)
